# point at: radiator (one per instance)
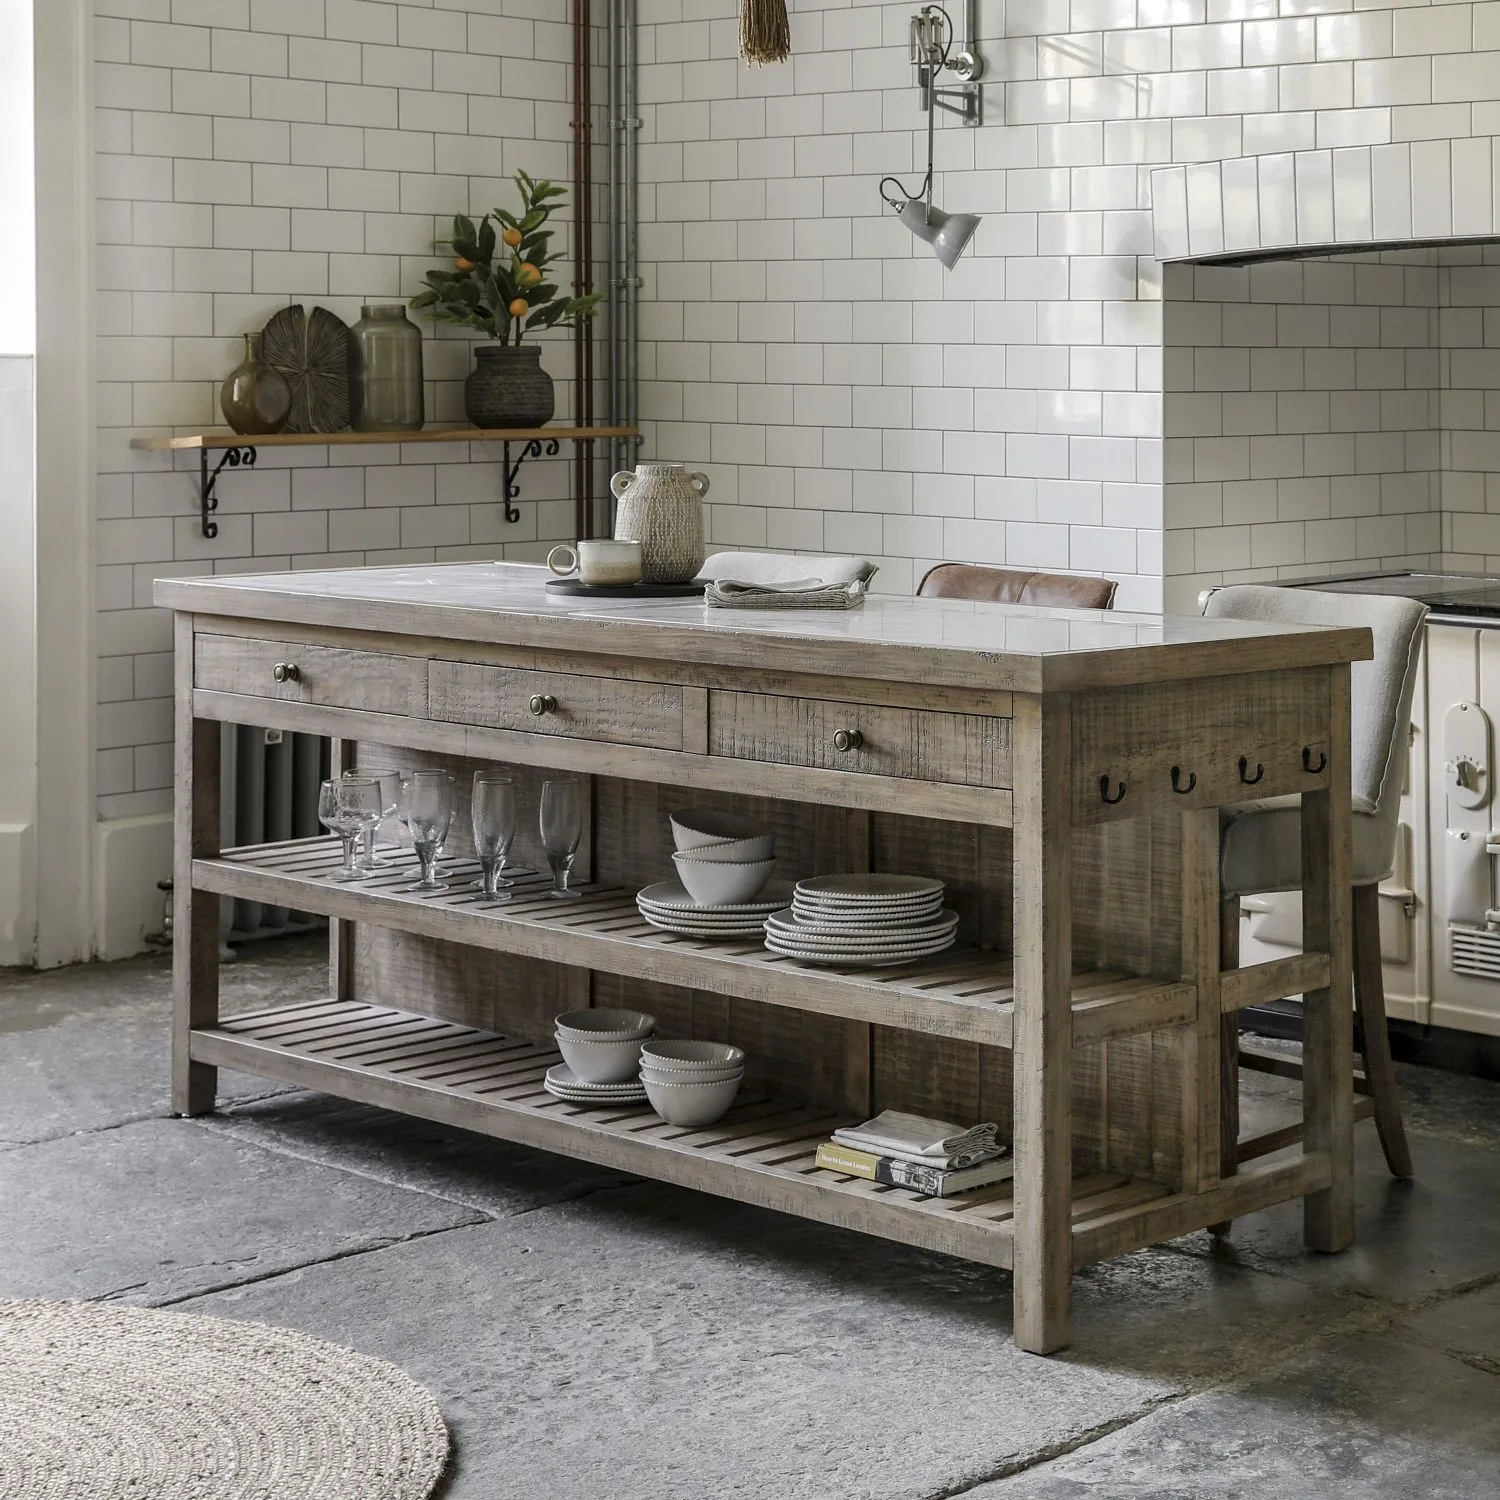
(269, 792)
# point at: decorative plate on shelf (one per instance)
(870, 889)
(314, 354)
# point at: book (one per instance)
(893, 1171)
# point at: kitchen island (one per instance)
(1061, 771)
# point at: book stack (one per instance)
(933, 1157)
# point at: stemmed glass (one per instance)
(348, 807)
(427, 802)
(493, 810)
(561, 828)
(390, 804)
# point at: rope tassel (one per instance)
(765, 32)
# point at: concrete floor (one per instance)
(593, 1337)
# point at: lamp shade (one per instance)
(948, 234)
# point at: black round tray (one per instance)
(625, 590)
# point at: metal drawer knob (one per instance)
(848, 739)
(542, 703)
(286, 671)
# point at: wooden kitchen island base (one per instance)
(1061, 772)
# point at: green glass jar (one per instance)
(387, 383)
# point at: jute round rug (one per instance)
(103, 1402)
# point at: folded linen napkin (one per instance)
(916, 1138)
(783, 580)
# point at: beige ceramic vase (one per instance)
(661, 507)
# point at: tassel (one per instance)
(765, 32)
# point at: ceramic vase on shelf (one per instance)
(508, 387)
(661, 507)
(387, 384)
(256, 399)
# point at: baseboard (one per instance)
(17, 895)
(131, 855)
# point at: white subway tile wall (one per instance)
(253, 153)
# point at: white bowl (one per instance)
(599, 1061)
(697, 826)
(690, 1054)
(699, 1075)
(712, 884)
(737, 851)
(604, 1025)
(691, 1103)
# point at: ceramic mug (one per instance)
(598, 564)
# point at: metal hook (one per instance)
(1308, 766)
(1192, 781)
(1104, 790)
(1260, 771)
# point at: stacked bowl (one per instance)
(691, 1083)
(601, 1056)
(724, 863)
(863, 921)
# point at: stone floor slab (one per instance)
(161, 1209)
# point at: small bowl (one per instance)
(605, 1025)
(699, 1075)
(691, 1103)
(711, 884)
(687, 1055)
(738, 851)
(601, 1061)
(698, 826)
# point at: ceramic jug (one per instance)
(661, 507)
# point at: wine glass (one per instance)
(561, 828)
(493, 810)
(428, 800)
(390, 803)
(348, 807)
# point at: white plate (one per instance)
(871, 889)
(781, 940)
(561, 1076)
(671, 896)
(614, 1100)
(711, 934)
(791, 924)
(858, 960)
(844, 914)
(702, 918)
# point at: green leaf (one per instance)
(486, 240)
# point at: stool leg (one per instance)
(1369, 1000)
(1229, 1054)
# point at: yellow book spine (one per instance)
(836, 1158)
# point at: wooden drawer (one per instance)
(612, 710)
(965, 749)
(335, 676)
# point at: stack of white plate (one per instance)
(863, 921)
(669, 907)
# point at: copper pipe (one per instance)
(583, 267)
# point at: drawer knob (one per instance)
(286, 671)
(542, 703)
(848, 739)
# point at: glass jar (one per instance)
(387, 384)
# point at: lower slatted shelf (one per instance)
(762, 1152)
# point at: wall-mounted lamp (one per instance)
(931, 54)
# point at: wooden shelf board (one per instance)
(215, 440)
(762, 1152)
(964, 994)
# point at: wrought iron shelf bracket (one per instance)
(243, 457)
(512, 492)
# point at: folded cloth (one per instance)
(785, 567)
(916, 1138)
(805, 593)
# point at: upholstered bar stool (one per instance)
(1261, 851)
(1016, 586)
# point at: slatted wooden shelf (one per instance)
(215, 440)
(967, 995)
(762, 1152)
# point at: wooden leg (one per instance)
(1229, 1054)
(343, 757)
(1043, 1023)
(1327, 1035)
(1202, 1123)
(1369, 998)
(195, 914)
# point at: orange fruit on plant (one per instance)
(464, 265)
(518, 308)
(526, 273)
(512, 237)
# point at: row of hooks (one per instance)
(1183, 787)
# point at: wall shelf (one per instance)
(243, 450)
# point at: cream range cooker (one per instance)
(1440, 907)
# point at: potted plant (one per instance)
(499, 285)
